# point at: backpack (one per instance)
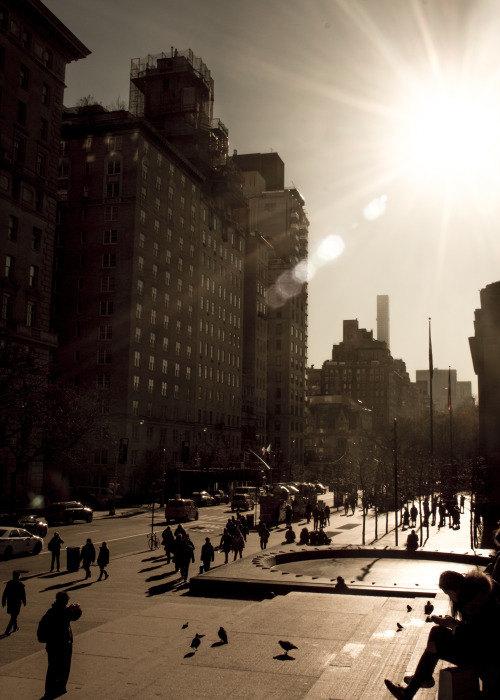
(42, 631)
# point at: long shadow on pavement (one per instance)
(178, 584)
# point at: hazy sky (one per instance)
(387, 116)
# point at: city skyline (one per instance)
(328, 88)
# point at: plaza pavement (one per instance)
(347, 644)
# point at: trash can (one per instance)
(72, 558)
(250, 521)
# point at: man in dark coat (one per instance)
(187, 556)
(207, 554)
(87, 556)
(14, 594)
(167, 540)
(58, 638)
(54, 547)
(103, 560)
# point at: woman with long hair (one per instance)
(468, 637)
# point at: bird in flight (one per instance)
(287, 646)
(409, 608)
(400, 627)
(222, 635)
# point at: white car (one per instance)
(15, 541)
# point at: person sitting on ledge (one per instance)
(412, 541)
(341, 585)
(289, 535)
(304, 536)
(466, 638)
(323, 537)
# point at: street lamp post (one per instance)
(396, 500)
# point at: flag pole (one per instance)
(451, 420)
(431, 407)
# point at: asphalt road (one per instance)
(137, 574)
(124, 533)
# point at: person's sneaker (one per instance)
(396, 690)
(429, 683)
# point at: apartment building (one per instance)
(35, 48)
(278, 214)
(149, 281)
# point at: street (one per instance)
(126, 536)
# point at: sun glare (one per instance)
(450, 132)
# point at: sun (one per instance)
(451, 131)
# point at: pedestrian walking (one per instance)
(427, 512)
(54, 546)
(87, 556)
(263, 535)
(406, 518)
(316, 515)
(187, 556)
(103, 560)
(242, 523)
(179, 530)
(327, 514)
(442, 514)
(14, 595)
(207, 554)
(413, 515)
(308, 511)
(238, 544)
(462, 503)
(354, 502)
(54, 630)
(177, 548)
(434, 506)
(226, 543)
(167, 540)
(288, 514)
(346, 506)
(322, 518)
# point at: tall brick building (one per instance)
(149, 274)
(35, 48)
(278, 214)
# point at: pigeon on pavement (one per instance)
(287, 646)
(185, 625)
(196, 642)
(428, 608)
(222, 635)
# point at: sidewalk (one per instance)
(347, 644)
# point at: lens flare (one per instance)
(376, 208)
(331, 248)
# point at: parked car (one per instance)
(67, 512)
(182, 509)
(203, 498)
(97, 497)
(319, 487)
(16, 540)
(241, 501)
(34, 524)
(220, 496)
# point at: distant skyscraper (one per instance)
(383, 318)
